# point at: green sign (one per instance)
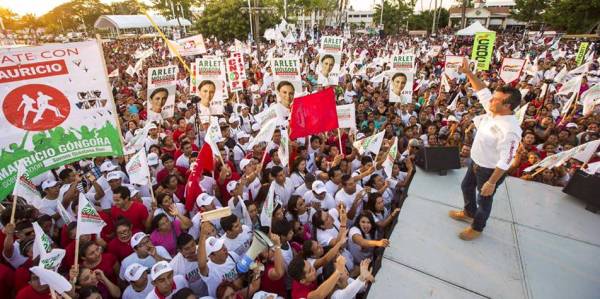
(581, 52)
(483, 48)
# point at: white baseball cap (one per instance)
(222, 121)
(152, 126)
(152, 159)
(137, 238)
(213, 245)
(452, 118)
(48, 184)
(134, 272)
(233, 119)
(107, 166)
(255, 127)
(572, 125)
(244, 163)
(231, 186)
(113, 175)
(159, 269)
(360, 136)
(204, 199)
(318, 187)
(242, 134)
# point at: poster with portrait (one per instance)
(401, 78)
(57, 108)
(286, 69)
(162, 91)
(330, 58)
(210, 76)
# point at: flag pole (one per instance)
(14, 209)
(340, 139)
(76, 262)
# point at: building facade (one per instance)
(494, 16)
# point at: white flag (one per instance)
(130, 70)
(590, 98)
(138, 141)
(213, 135)
(284, 151)
(454, 102)
(114, 73)
(266, 215)
(572, 85)
(54, 280)
(585, 151)
(137, 168)
(520, 112)
(266, 132)
(568, 104)
(41, 243)
(549, 162)
(388, 164)
(370, 144)
(561, 75)
(88, 219)
(511, 69)
(581, 69)
(64, 215)
(445, 83)
(24, 187)
(51, 260)
(346, 116)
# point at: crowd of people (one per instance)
(334, 207)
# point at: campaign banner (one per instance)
(58, 108)
(193, 80)
(346, 116)
(452, 65)
(235, 72)
(511, 69)
(483, 48)
(210, 75)
(402, 77)
(189, 46)
(162, 90)
(287, 69)
(330, 58)
(583, 47)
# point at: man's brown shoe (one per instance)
(469, 234)
(460, 216)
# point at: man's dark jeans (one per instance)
(477, 206)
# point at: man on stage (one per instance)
(496, 142)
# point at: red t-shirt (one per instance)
(272, 286)
(163, 173)
(29, 293)
(300, 290)
(7, 280)
(137, 215)
(119, 249)
(22, 275)
(106, 265)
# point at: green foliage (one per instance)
(179, 6)
(127, 7)
(9, 18)
(395, 14)
(226, 19)
(424, 20)
(529, 10)
(572, 16)
(71, 15)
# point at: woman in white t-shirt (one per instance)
(299, 211)
(298, 172)
(382, 216)
(362, 238)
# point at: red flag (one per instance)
(204, 162)
(314, 113)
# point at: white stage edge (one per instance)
(538, 243)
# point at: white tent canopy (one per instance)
(472, 29)
(119, 22)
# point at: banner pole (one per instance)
(76, 263)
(14, 209)
(340, 139)
(171, 47)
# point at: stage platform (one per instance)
(538, 243)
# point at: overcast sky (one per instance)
(39, 7)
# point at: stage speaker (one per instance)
(438, 158)
(585, 187)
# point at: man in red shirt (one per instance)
(34, 290)
(170, 168)
(135, 211)
(120, 246)
(304, 275)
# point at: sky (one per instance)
(40, 7)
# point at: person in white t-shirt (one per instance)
(318, 197)
(216, 263)
(282, 185)
(352, 197)
(139, 284)
(238, 237)
(362, 238)
(347, 288)
(23, 232)
(49, 204)
(165, 282)
(185, 263)
(144, 253)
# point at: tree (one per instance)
(127, 7)
(423, 20)
(573, 16)
(177, 8)
(9, 18)
(395, 14)
(529, 10)
(71, 15)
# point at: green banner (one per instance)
(483, 48)
(57, 109)
(581, 52)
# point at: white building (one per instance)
(494, 16)
(362, 18)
